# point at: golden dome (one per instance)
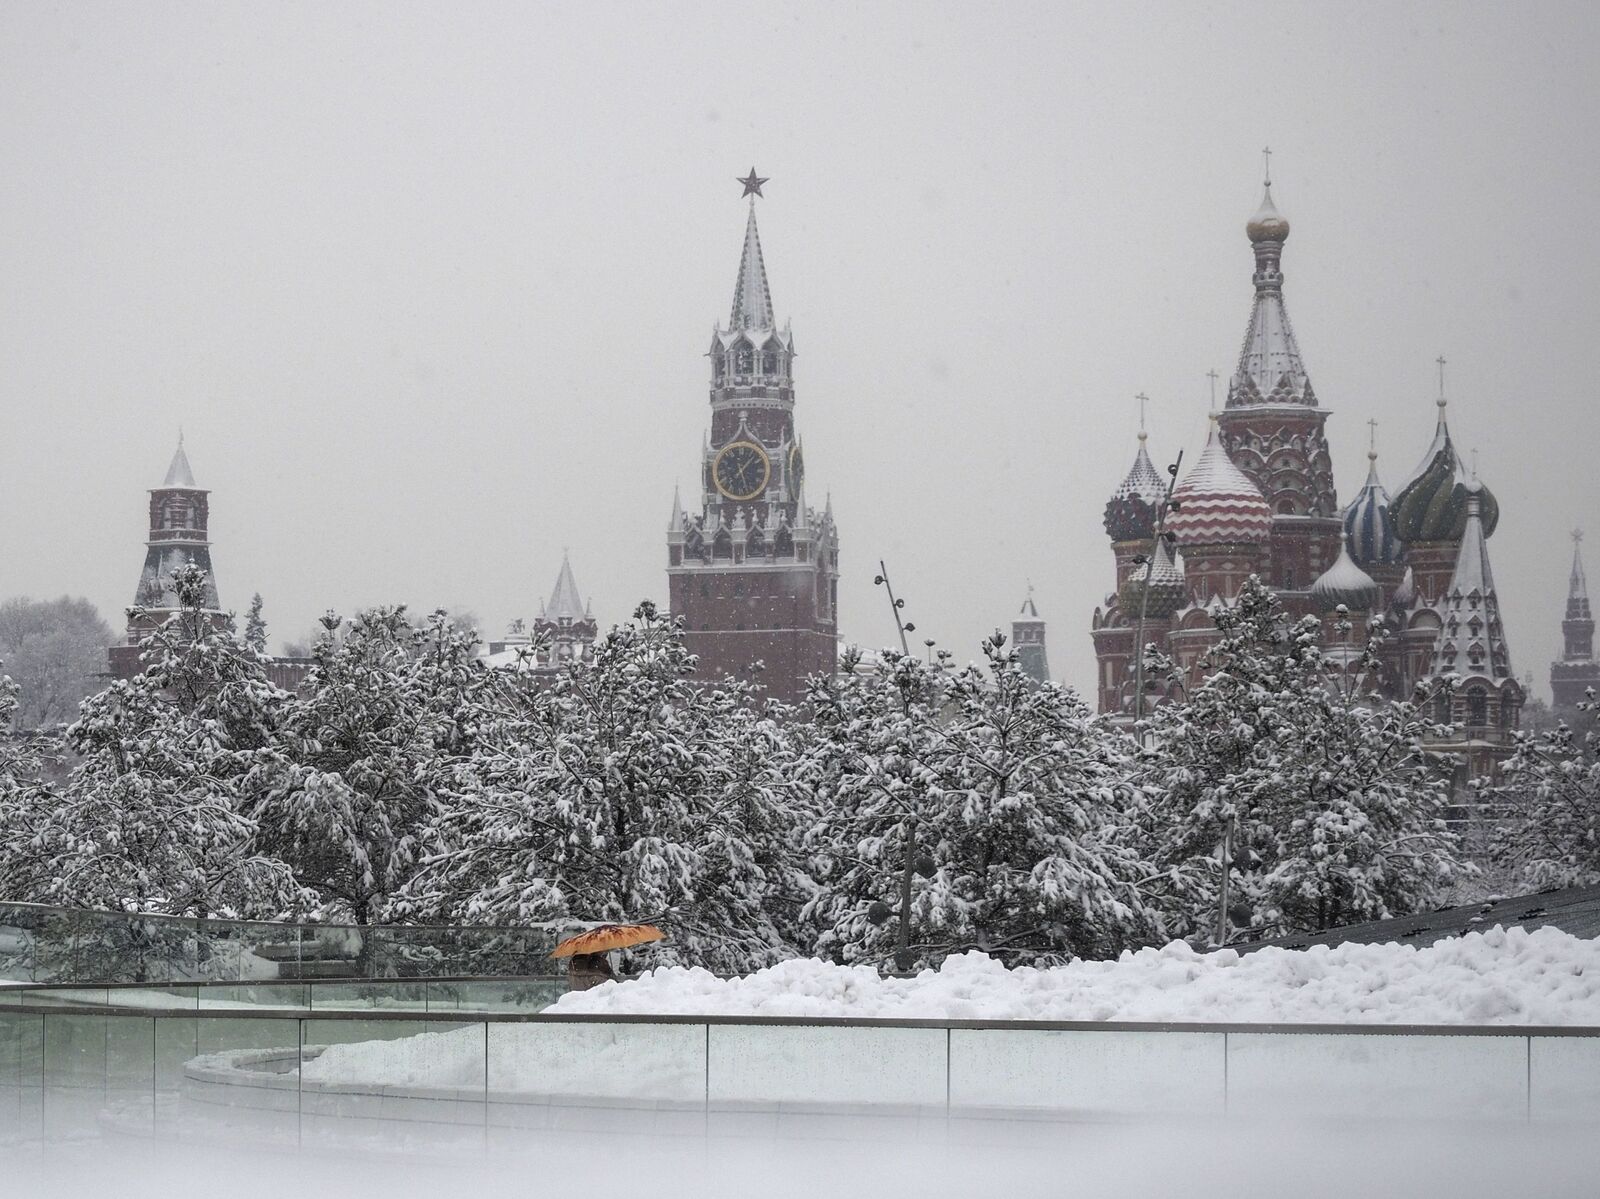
(1268, 224)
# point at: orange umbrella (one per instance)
(608, 937)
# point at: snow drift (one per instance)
(1495, 977)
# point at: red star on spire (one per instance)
(752, 184)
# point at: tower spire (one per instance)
(752, 299)
(1578, 586)
(1270, 368)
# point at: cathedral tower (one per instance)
(180, 512)
(754, 572)
(1272, 425)
(1571, 678)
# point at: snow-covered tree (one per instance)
(1323, 805)
(623, 791)
(1552, 789)
(365, 756)
(988, 807)
(55, 652)
(150, 819)
(255, 626)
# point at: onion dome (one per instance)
(1132, 510)
(1217, 504)
(1268, 224)
(1164, 592)
(1368, 529)
(1432, 504)
(1345, 583)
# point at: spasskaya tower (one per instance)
(754, 572)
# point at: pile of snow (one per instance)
(1495, 977)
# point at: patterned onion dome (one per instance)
(1166, 589)
(1345, 583)
(1217, 504)
(1131, 511)
(1432, 504)
(1368, 528)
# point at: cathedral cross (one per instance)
(1266, 157)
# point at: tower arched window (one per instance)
(719, 365)
(743, 359)
(722, 547)
(784, 545)
(756, 545)
(1477, 707)
(769, 363)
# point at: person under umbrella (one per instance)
(589, 966)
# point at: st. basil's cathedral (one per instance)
(1260, 500)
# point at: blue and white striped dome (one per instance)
(1368, 527)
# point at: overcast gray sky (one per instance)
(429, 286)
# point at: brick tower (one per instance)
(1027, 636)
(179, 514)
(1571, 678)
(754, 572)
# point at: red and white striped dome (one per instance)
(1217, 504)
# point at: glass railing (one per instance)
(65, 945)
(337, 1076)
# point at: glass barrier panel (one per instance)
(401, 1081)
(17, 949)
(332, 951)
(495, 995)
(269, 952)
(762, 1064)
(1564, 1076)
(262, 994)
(1377, 1075)
(608, 1062)
(21, 1049)
(75, 1050)
(1087, 1074)
(168, 997)
(370, 995)
(130, 1054)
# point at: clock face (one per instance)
(741, 470)
(797, 469)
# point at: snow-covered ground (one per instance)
(1494, 977)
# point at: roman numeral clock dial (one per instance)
(741, 470)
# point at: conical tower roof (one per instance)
(1577, 585)
(752, 299)
(1472, 642)
(565, 601)
(1270, 369)
(179, 473)
(1162, 578)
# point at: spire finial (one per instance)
(1577, 538)
(1266, 159)
(1474, 465)
(1213, 376)
(752, 185)
(1372, 439)
(1441, 361)
(1143, 400)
